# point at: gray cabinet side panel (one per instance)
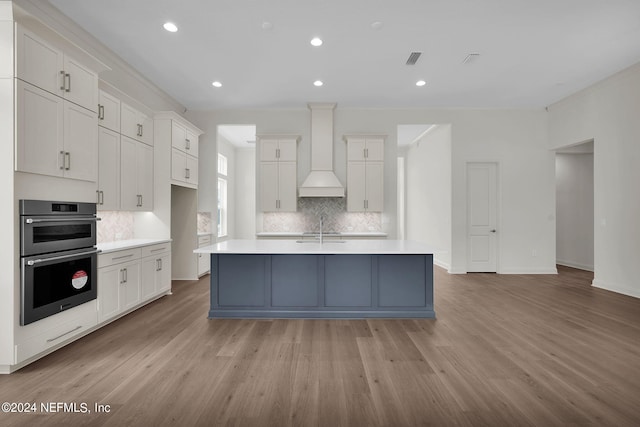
(294, 280)
(402, 281)
(348, 281)
(241, 280)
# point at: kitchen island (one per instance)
(312, 279)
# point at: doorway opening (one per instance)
(575, 206)
(236, 183)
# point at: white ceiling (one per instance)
(532, 52)
(241, 136)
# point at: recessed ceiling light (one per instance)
(216, 84)
(318, 83)
(267, 25)
(170, 26)
(316, 41)
(421, 83)
(376, 25)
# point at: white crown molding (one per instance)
(62, 24)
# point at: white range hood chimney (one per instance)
(321, 181)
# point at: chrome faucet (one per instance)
(321, 223)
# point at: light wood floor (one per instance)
(505, 350)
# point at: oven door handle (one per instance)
(56, 258)
(33, 221)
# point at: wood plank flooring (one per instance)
(505, 350)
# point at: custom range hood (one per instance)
(321, 181)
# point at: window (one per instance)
(222, 195)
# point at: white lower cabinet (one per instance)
(204, 260)
(156, 270)
(131, 277)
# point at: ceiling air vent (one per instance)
(413, 58)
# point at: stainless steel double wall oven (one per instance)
(58, 257)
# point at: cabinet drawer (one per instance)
(111, 258)
(204, 240)
(61, 333)
(153, 250)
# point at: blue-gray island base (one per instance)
(258, 285)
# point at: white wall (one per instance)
(428, 192)
(608, 113)
(245, 194)
(574, 210)
(516, 139)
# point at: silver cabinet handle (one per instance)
(100, 112)
(101, 197)
(121, 257)
(141, 130)
(187, 144)
(63, 80)
(66, 333)
(67, 156)
(33, 262)
(493, 231)
(187, 173)
(98, 197)
(68, 86)
(62, 160)
(141, 201)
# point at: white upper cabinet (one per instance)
(282, 149)
(370, 148)
(109, 111)
(54, 137)
(136, 175)
(108, 193)
(184, 139)
(49, 68)
(365, 173)
(278, 172)
(136, 124)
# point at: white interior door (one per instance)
(482, 207)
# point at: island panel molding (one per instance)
(352, 279)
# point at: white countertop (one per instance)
(128, 244)
(380, 247)
(296, 234)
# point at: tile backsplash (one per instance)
(115, 225)
(336, 217)
(204, 222)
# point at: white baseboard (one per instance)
(525, 271)
(617, 288)
(441, 264)
(575, 265)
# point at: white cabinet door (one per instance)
(179, 136)
(355, 149)
(39, 131)
(81, 84)
(108, 170)
(356, 186)
(136, 175)
(145, 176)
(129, 200)
(269, 186)
(374, 186)
(163, 275)
(38, 63)
(178, 165)
(109, 111)
(268, 150)
(108, 292)
(135, 124)
(192, 143)
(129, 285)
(374, 149)
(287, 150)
(80, 143)
(287, 187)
(192, 170)
(149, 266)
